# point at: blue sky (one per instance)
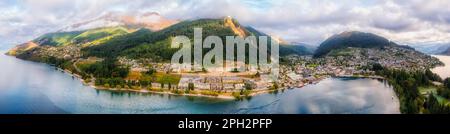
(418, 22)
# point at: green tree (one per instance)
(191, 86)
(248, 86)
(447, 83)
(144, 83)
(377, 67)
(150, 71)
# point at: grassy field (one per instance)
(427, 90)
(167, 78)
(442, 100)
(433, 90)
(134, 75)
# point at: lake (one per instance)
(443, 71)
(35, 88)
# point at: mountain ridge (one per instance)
(216, 27)
(351, 39)
(81, 38)
(150, 20)
(434, 49)
(122, 40)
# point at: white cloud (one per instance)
(409, 22)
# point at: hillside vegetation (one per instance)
(351, 39)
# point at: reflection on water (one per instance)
(28, 87)
(443, 71)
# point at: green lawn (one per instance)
(427, 90)
(432, 89)
(167, 78)
(441, 99)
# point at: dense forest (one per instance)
(80, 37)
(106, 69)
(143, 38)
(406, 85)
(147, 44)
(351, 39)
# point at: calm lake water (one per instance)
(28, 87)
(443, 71)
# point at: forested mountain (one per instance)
(351, 39)
(76, 38)
(147, 44)
(294, 49)
(142, 42)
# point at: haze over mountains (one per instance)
(309, 47)
(434, 49)
(446, 52)
(150, 20)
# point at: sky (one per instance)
(408, 22)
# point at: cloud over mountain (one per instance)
(409, 22)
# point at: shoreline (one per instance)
(226, 97)
(164, 92)
(360, 76)
(142, 90)
(73, 75)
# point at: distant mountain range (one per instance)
(446, 52)
(297, 48)
(435, 49)
(287, 48)
(149, 35)
(310, 48)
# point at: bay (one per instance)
(36, 88)
(443, 71)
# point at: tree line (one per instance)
(406, 85)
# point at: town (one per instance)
(294, 71)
